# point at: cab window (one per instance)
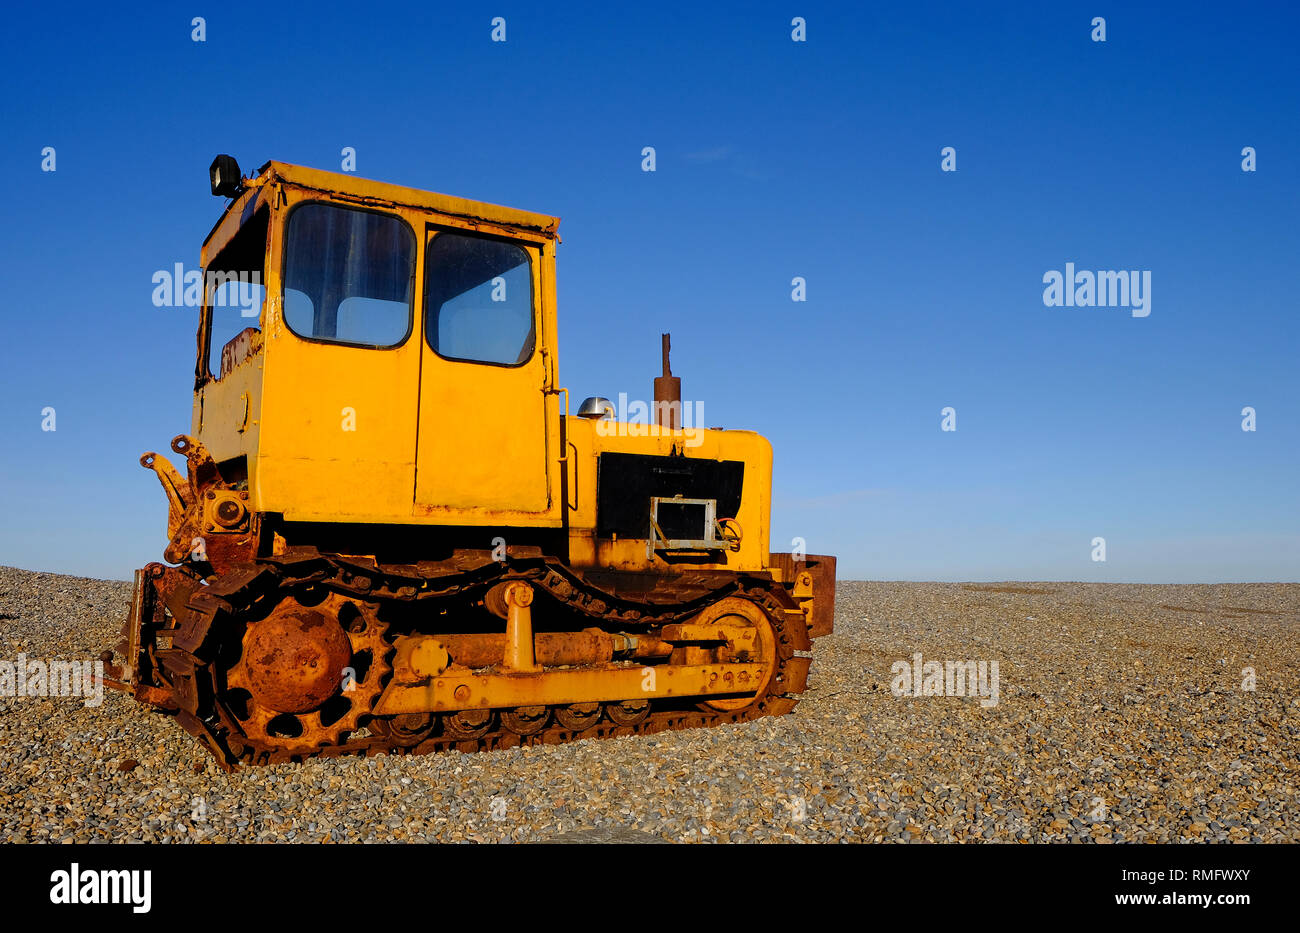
(479, 300)
(348, 275)
(233, 296)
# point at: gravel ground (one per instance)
(1121, 716)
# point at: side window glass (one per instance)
(234, 295)
(479, 300)
(236, 308)
(347, 276)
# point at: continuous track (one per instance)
(205, 624)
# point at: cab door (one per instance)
(482, 447)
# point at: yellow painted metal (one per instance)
(225, 415)
(588, 439)
(337, 422)
(520, 654)
(563, 687)
(484, 454)
(461, 212)
(331, 432)
(417, 659)
(334, 433)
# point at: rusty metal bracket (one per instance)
(715, 537)
(179, 494)
(203, 505)
(203, 469)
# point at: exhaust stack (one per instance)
(668, 394)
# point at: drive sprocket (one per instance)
(307, 673)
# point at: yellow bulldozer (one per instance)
(392, 536)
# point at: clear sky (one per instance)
(774, 159)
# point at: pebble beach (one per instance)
(1123, 713)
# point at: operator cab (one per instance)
(364, 336)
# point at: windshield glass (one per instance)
(348, 275)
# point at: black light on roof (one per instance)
(224, 175)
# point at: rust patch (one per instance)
(299, 657)
(243, 346)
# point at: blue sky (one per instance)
(775, 159)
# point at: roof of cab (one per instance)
(369, 192)
(381, 192)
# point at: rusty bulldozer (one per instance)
(392, 536)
